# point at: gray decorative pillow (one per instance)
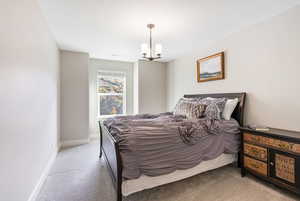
(190, 109)
(182, 100)
(215, 107)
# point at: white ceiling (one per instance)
(114, 29)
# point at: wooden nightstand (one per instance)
(273, 156)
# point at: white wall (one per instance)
(136, 87)
(29, 103)
(74, 97)
(151, 85)
(99, 64)
(262, 60)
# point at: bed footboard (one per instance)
(109, 149)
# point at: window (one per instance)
(111, 89)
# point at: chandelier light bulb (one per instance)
(144, 48)
(158, 49)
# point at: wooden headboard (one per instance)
(238, 113)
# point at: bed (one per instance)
(110, 150)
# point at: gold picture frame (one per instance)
(211, 68)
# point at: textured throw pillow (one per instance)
(192, 110)
(182, 100)
(229, 108)
(215, 107)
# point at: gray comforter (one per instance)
(159, 144)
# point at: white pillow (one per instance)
(229, 108)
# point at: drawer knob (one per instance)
(271, 163)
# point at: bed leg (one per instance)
(239, 160)
(119, 188)
(119, 197)
(100, 154)
(101, 136)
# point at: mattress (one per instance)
(147, 182)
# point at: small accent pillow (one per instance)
(229, 108)
(215, 107)
(192, 110)
(182, 100)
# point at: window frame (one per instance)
(124, 94)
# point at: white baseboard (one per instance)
(70, 143)
(51, 161)
(43, 177)
(58, 146)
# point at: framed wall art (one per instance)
(211, 68)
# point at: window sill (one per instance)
(109, 116)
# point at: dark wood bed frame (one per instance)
(109, 147)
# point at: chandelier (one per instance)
(147, 50)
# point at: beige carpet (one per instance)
(78, 175)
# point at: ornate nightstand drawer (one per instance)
(256, 151)
(255, 165)
(282, 145)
